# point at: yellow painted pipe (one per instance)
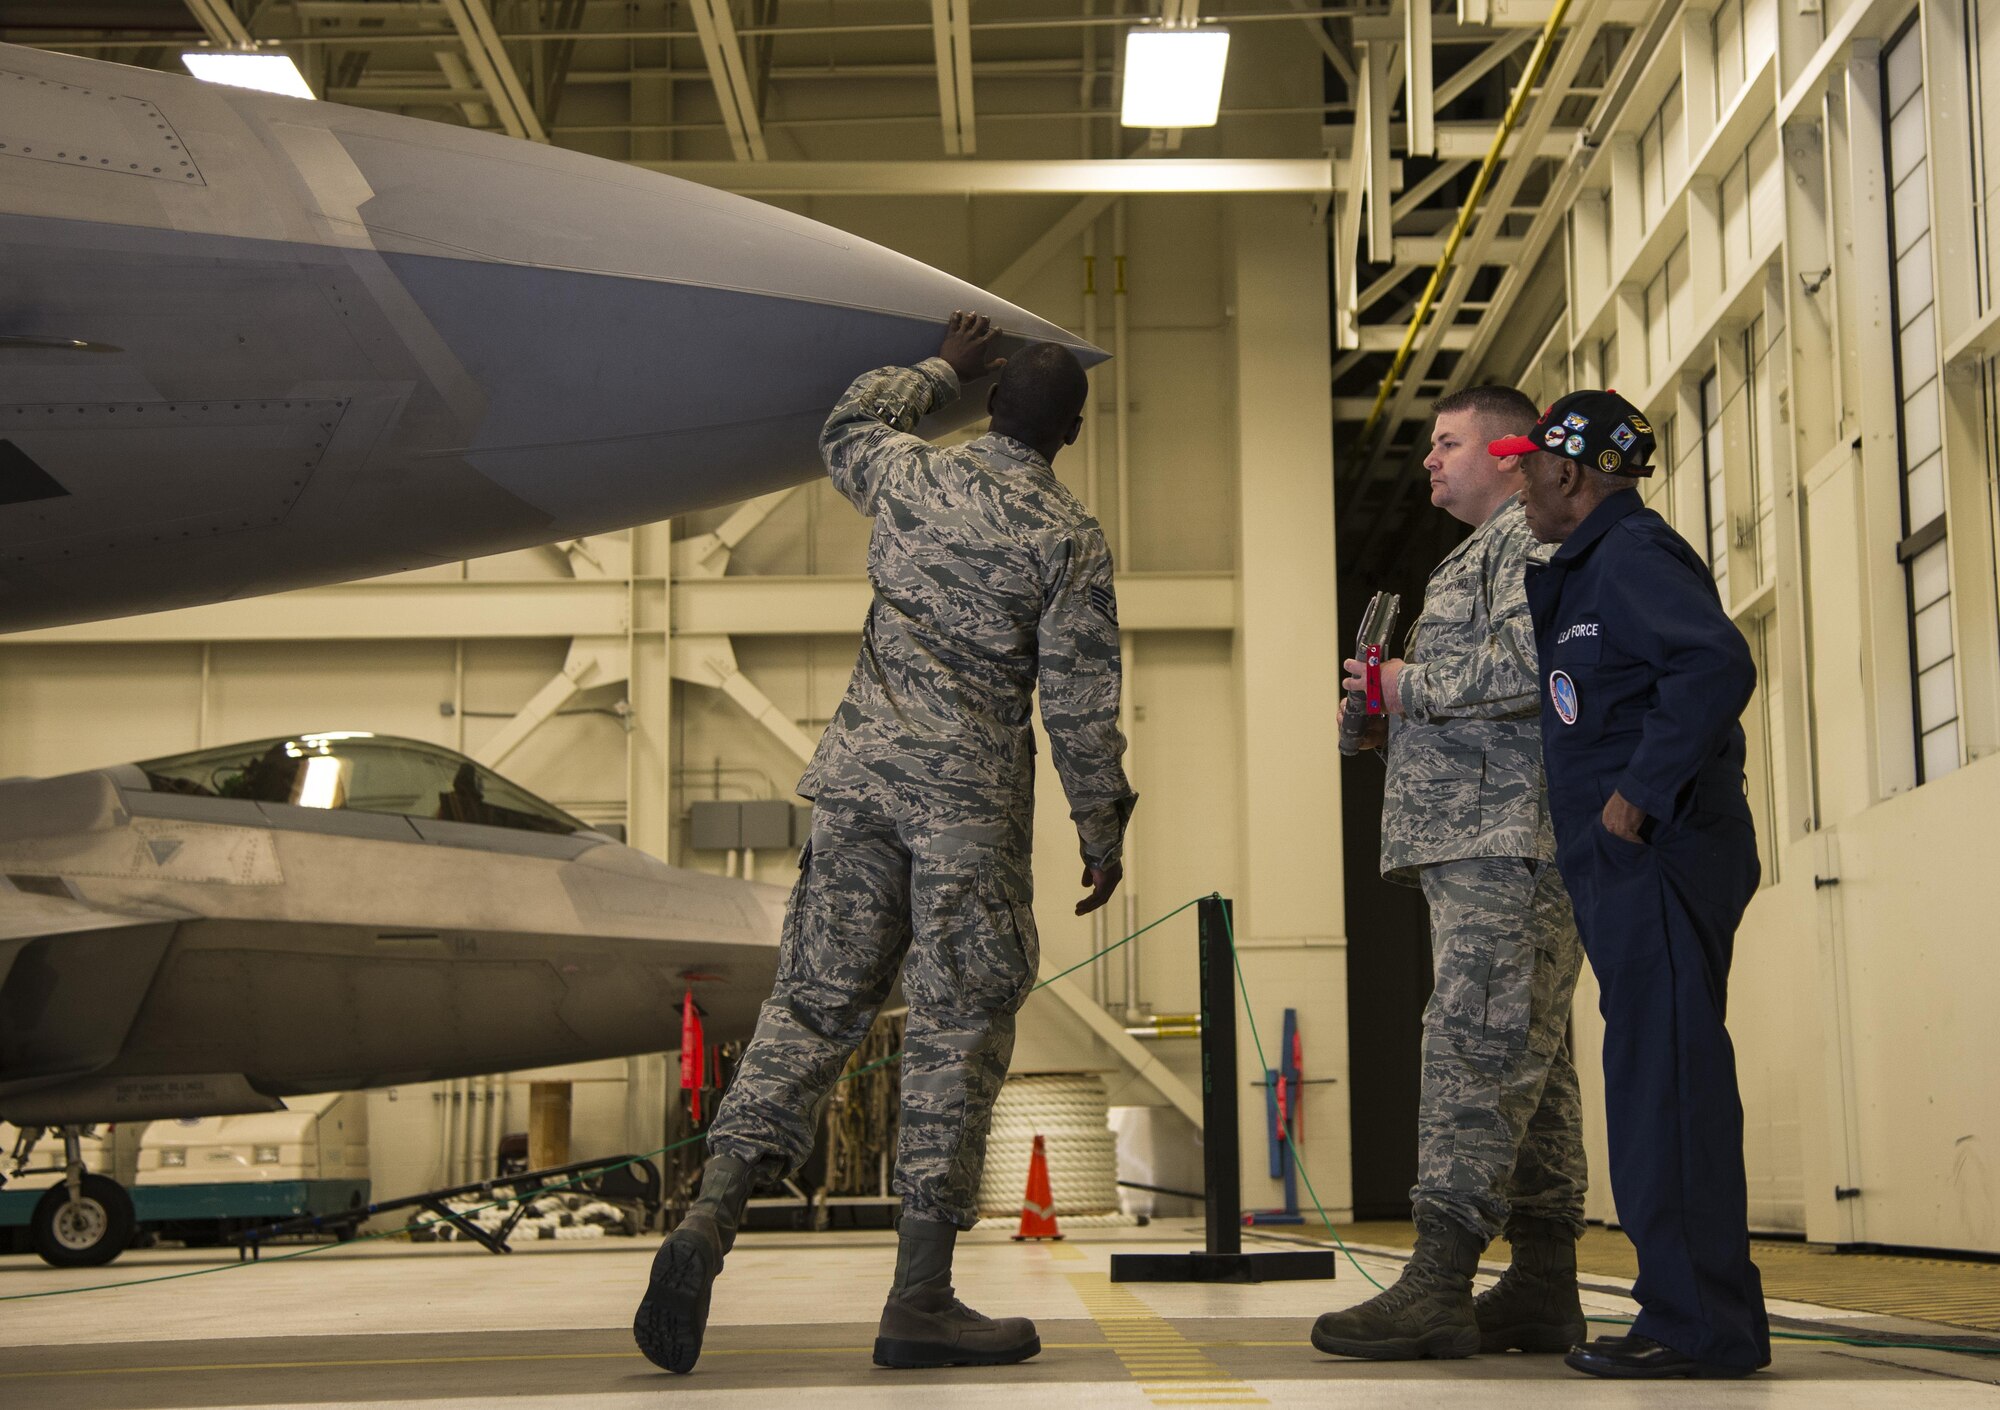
(1537, 61)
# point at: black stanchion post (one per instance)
(1222, 1259)
(1222, 1175)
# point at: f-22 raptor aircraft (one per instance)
(250, 343)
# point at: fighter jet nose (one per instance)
(629, 330)
(363, 343)
(470, 195)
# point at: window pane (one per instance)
(1652, 194)
(1673, 139)
(1930, 576)
(1906, 142)
(1904, 68)
(1918, 349)
(1657, 348)
(1920, 425)
(1913, 280)
(1912, 207)
(1934, 631)
(1941, 751)
(1925, 492)
(1767, 190)
(1760, 32)
(1937, 699)
(1680, 299)
(1728, 51)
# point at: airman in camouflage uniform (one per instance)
(1465, 816)
(990, 578)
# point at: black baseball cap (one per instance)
(1598, 429)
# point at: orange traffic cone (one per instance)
(1038, 1206)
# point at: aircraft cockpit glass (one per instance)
(360, 772)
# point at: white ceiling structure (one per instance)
(788, 98)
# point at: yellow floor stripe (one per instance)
(1093, 1347)
(1169, 1368)
(1960, 1292)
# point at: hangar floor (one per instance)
(448, 1326)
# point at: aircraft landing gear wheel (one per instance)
(87, 1232)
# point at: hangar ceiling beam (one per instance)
(1310, 17)
(1083, 176)
(432, 608)
(707, 555)
(489, 60)
(219, 21)
(711, 661)
(723, 50)
(452, 65)
(592, 661)
(1420, 109)
(952, 33)
(1440, 330)
(1477, 68)
(1008, 283)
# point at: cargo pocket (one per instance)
(1443, 786)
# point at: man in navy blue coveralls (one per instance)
(1643, 680)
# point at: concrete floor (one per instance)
(443, 1326)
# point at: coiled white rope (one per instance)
(1069, 1111)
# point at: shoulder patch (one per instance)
(1106, 604)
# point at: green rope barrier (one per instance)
(414, 1225)
(1298, 1161)
(1256, 1038)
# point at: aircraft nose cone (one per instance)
(621, 322)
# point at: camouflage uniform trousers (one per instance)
(886, 876)
(1500, 1120)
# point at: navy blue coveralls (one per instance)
(1644, 677)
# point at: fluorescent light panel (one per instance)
(1173, 77)
(267, 73)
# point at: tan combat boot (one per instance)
(674, 1314)
(1426, 1313)
(924, 1324)
(1535, 1305)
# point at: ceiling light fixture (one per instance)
(267, 73)
(1173, 77)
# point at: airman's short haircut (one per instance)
(1041, 392)
(1506, 411)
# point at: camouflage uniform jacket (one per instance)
(989, 576)
(1465, 756)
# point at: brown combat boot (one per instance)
(924, 1324)
(674, 1313)
(1426, 1313)
(1535, 1305)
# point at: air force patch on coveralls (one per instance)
(1562, 694)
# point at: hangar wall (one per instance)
(1785, 255)
(1218, 309)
